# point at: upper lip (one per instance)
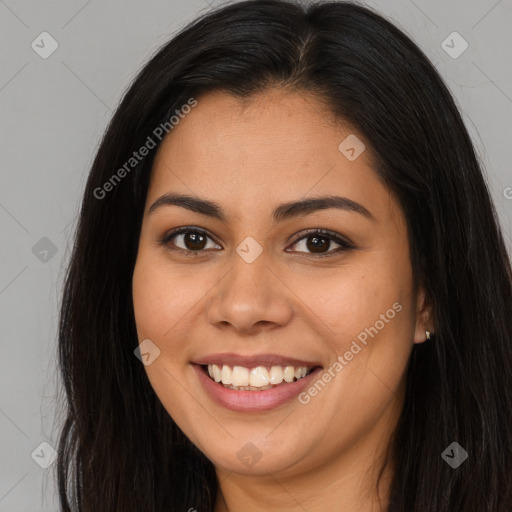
(232, 359)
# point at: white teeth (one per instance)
(226, 374)
(300, 372)
(239, 376)
(289, 373)
(276, 375)
(258, 378)
(216, 373)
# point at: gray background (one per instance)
(53, 113)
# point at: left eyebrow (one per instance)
(283, 212)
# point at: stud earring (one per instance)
(427, 334)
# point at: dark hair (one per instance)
(119, 449)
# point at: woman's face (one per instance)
(254, 290)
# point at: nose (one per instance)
(251, 297)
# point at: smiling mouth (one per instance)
(260, 378)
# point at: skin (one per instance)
(249, 157)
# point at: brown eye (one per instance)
(194, 241)
(319, 242)
(188, 240)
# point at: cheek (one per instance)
(164, 294)
(364, 314)
(163, 307)
(366, 325)
(350, 300)
(160, 303)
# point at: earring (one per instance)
(427, 334)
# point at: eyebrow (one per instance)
(283, 212)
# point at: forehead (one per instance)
(276, 124)
(273, 147)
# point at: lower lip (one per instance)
(253, 401)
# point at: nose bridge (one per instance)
(248, 282)
(249, 293)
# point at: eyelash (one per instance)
(324, 233)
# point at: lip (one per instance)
(232, 359)
(253, 401)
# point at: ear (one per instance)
(424, 317)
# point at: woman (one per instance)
(288, 289)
